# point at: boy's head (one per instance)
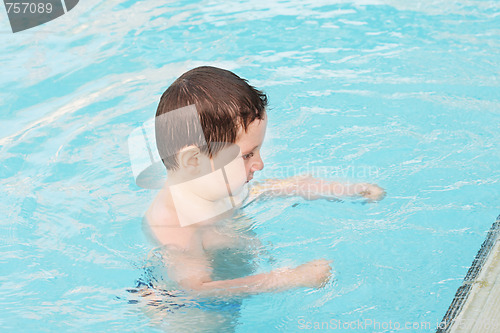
(227, 112)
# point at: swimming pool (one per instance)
(398, 93)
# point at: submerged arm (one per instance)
(314, 188)
(193, 274)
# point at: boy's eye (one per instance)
(247, 156)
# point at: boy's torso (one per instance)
(160, 224)
(229, 243)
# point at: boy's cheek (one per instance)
(236, 173)
(214, 185)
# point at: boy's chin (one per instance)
(236, 190)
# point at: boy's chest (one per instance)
(231, 253)
(213, 239)
(229, 233)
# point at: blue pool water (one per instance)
(400, 93)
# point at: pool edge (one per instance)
(471, 284)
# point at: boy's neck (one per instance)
(191, 209)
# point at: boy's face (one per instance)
(250, 143)
(201, 174)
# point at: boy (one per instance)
(210, 125)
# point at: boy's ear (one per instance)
(189, 159)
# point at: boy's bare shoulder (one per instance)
(165, 227)
(158, 213)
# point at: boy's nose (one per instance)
(258, 165)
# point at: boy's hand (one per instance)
(314, 274)
(372, 192)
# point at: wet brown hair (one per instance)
(224, 104)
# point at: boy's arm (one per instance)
(193, 274)
(314, 188)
